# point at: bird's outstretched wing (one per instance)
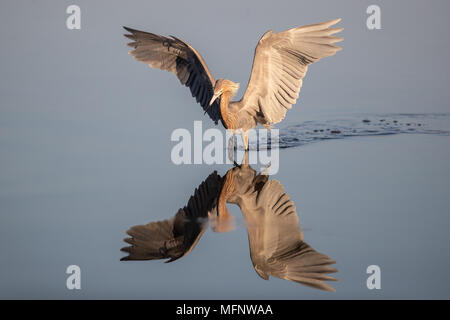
(280, 63)
(174, 238)
(175, 55)
(276, 241)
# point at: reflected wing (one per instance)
(174, 238)
(276, 241)
(280, 63)
(155, 240)
(180, 58)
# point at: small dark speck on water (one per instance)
(361, 126)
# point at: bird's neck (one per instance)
(223, 215)
(229, 117)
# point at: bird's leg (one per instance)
(231, 144)
(232, 147)
(245, 160)
(245, 140)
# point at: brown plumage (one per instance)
(224, 221)
(277, 247)
(279, 66)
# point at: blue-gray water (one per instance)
(357, 125)
(85, 149)
(363, 126)
(361, 200)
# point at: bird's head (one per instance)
(224, 86)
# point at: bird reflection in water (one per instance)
(275, 239)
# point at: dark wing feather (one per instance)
(174, 238)
(178, 57)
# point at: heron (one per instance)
(276, 243)
(280, 63)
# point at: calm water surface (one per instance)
(85, 150)
(361, 201)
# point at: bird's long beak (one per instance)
(214, 97)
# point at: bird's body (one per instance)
(279, 66)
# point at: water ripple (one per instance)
(361, 126)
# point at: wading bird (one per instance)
(276, 243)
(279, 66)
